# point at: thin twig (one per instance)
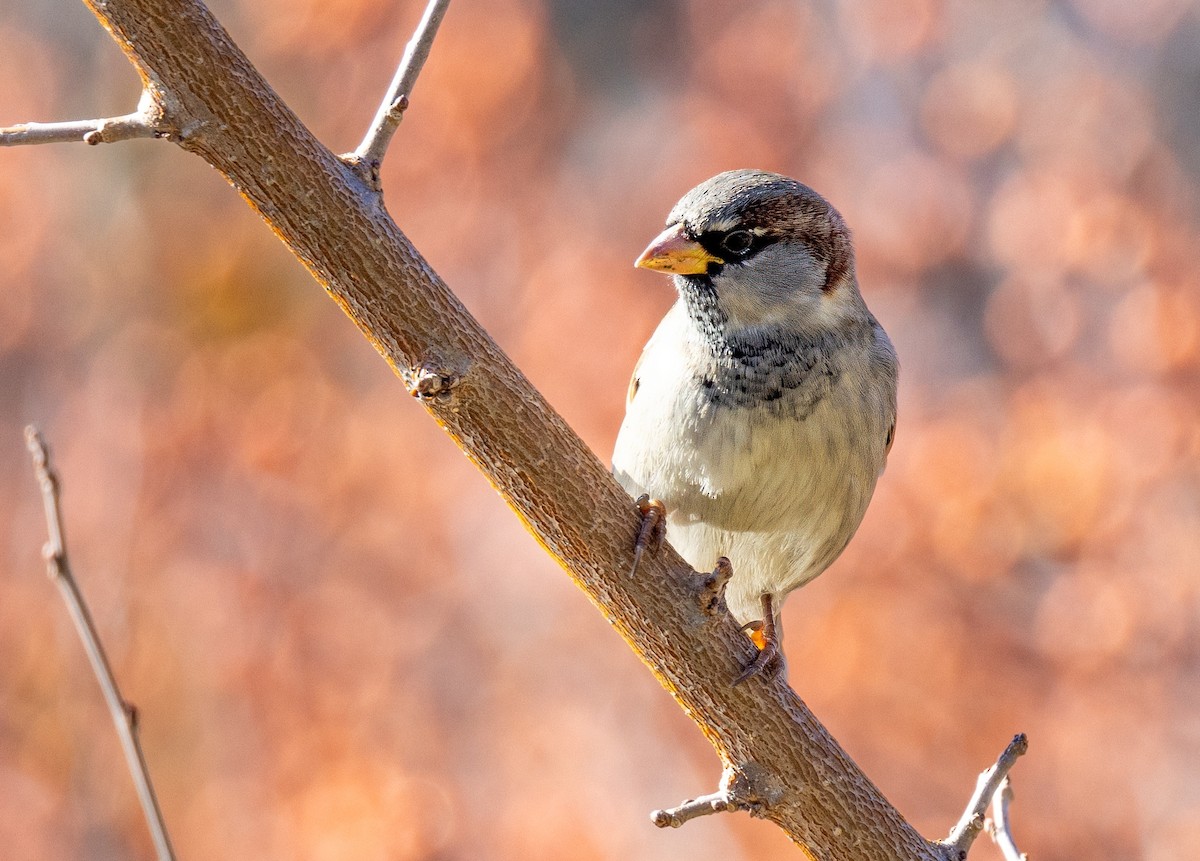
(968, 827)
(124, 714)
(1000, 826)
(717, 802)
(739, 790)
(374, 145)
(107, 130)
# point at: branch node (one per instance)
(396, 111)
(432, 382)
(711, 588)
(366, 169)
(55, 560)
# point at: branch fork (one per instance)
(741, 789)
(990, 789)
(367, 159)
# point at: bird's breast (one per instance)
(758, 443)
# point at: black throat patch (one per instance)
(785, 372)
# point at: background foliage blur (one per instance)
(342, 643)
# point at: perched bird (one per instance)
(763, 408)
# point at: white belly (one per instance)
(779, 496)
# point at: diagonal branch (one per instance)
(564, 495)
(370, 153)
(770, 744)
(124, 713)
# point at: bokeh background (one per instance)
(342, 643)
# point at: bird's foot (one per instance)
(654, 529)
(754, 630)
(768, 660)
(711, 591)
(763, 634)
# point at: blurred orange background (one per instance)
(341, 642)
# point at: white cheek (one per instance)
(781, 283)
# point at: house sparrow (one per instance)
(763, 407)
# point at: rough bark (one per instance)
(777, 755)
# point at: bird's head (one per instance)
(754, 251)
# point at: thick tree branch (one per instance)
(771, 746)
(369, 155)
(124, 713)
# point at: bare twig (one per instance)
(737, 792)
(972, 821)
(704, 805)
(124, 714)
(107, 130)
(371, 151)
(1000, 826)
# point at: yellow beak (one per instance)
(672, 251)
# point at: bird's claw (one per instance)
(653, 531)
(767, 660)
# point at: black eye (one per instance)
(737, 242)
